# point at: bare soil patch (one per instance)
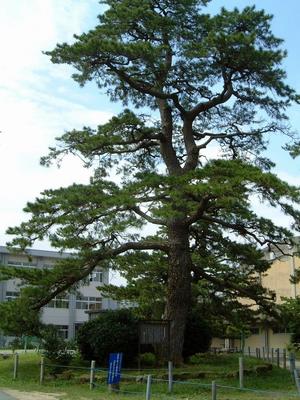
(33, 395)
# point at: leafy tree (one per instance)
(17, 320)
(207, 80)
(289, 313)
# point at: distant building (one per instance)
(277, 279)
(67, 311)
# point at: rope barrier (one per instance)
(198, 384)
(290, 394)
(183, 382)
(120, 391)
(67, 366)
(145, 369)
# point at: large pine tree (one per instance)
(201, 80)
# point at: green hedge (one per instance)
(111, 332)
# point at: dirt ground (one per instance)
(33, 395)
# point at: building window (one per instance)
(88, 303)
(63, 331)
(278, 330)
(49, 266)
(9, 296)
(272, 255)
(22, 264)
(77, 327)
(60, 301)
(96, 276)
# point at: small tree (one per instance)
(55, 348)
(290, 318)
(17, 319)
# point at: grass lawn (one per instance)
(73, 384)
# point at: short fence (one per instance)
(276, 356)
(145, 385)
(272, 355)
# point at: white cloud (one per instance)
(37, 100)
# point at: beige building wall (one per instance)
(279, 340)
(277, 279)
(218, 343)
(255, 341)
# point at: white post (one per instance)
(148, 388)
(16, 365)
(42, 371)
(213, 390)
(25, 344)
(241, 372)
(92, 374)
(292, 363)
(284, 358)
(170, 376)
(297, 380)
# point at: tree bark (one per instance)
(179, 287)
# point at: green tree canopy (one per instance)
(200, 80)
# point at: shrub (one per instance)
(148, 359)
(112, 332)
(197, 358)
(55, 347)
(197, 337)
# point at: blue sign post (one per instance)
(114, 369)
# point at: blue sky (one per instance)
(39, 100)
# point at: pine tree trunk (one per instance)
(179, 288)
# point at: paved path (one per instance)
(4, 396)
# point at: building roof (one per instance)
(39, 253)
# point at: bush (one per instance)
(197, 358)
(148, 359)
(55, 347)
(197, 337)
(112, 332)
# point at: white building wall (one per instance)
(70, 316)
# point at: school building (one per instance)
(67, 311)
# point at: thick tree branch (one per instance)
(141, 86)
(207, 105)
(200, 210)
(166, 145)
(152, 220)
(66, 282)
(192, 150)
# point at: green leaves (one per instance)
(125, 137)
(17, 320)
(143, 50)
